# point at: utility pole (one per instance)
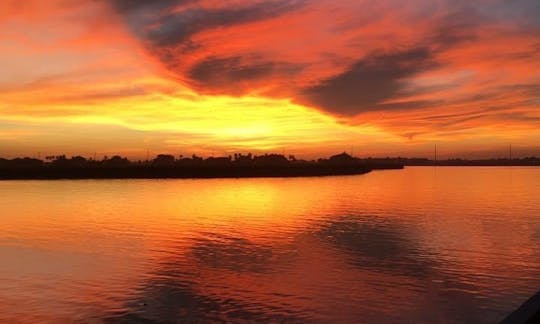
(510, 151)
(435, 153)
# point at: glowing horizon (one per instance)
(309, 78)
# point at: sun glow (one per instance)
(88, 76)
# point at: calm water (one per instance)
(421, 244)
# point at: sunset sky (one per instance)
(304, 77)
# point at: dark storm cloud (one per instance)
(167, 28)
(163, 28)
(237, 63)
(175, 28)
(369, 82)
(130, 6)
(532, 89)
(455, 27)
(214, 71)
(230, 73)
(378, 77)
(526, 10)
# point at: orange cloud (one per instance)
(313, 76)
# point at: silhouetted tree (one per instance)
(116, 161)
(164, 159)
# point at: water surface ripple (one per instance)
(447, 244)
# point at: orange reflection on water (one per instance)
(334, 248)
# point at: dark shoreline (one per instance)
(153, 172)
(166, 166)
(472, 165)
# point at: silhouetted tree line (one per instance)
(238, 159)
(526, 161)
(163, 160)
(169, 166)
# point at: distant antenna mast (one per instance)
(510, 150)
(435, 153)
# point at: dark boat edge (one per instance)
(527, 313)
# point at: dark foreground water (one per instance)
(421, 244)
